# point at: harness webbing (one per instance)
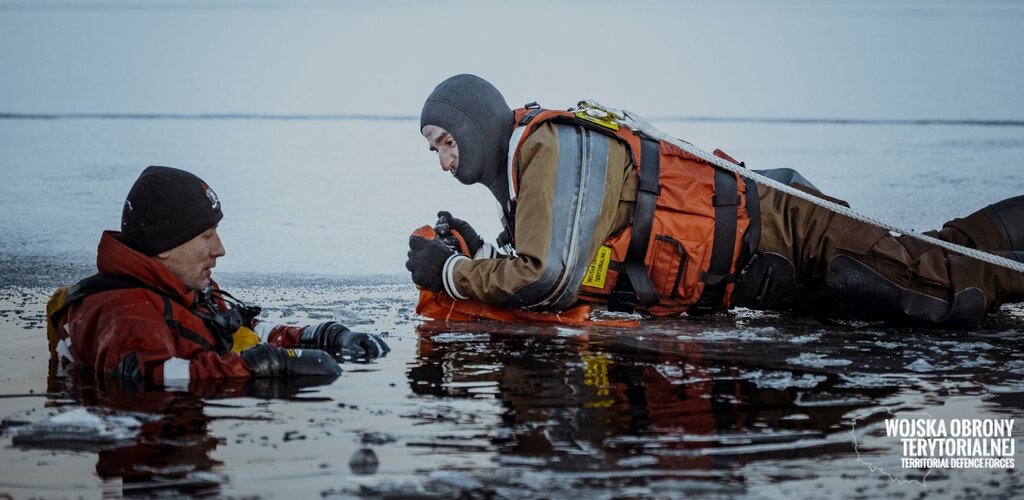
(96, 283)
(100, 282)
(717, 277)
(635, 122)
(752, 238)
(637, 288)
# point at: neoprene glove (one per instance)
(336, 339)
(445, 223)
(426, 262)
(263, 360)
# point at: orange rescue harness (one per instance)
(689, 235)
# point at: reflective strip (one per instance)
(579, 193)
(176, 369)
(64, 350)
(263, 329)
(449, 279)
(513, 148)
(486, 251)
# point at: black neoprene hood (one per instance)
(475, 113)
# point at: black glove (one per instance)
(266, 361)
(338, 340)
(445, 223)
(426, 262)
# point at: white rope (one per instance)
(631, 120)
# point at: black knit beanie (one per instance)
(165, 208)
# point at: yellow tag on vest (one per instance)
(597, 271)
(599, 117)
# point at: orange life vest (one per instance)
(696, 217)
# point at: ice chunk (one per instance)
(78, 429)
(817, 360)
(920, 366)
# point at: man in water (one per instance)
(153, 311)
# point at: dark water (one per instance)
(740, 405)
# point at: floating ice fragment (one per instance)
(377, 438)
(347, 317)
(460, 337)
(638, 461)
(783, 380)
(455, 479)
(817, 360)
(972, 363)
(920, 366)
(805, 339)
(78, 429)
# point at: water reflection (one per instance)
(622, 404)
(155, 441)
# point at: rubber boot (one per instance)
(767, 282)
(863, 291)
(997, 227)
(1009, 217)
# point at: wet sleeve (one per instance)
(278, 335)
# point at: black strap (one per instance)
(637, 289)
(529, 116)
(752, 238)
(96, 283)
(100, 282)
(717, 277)
(185, 333)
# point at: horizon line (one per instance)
(369, 117)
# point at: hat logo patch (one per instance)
(210, 195)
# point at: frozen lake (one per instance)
(303, 117)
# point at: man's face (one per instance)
(444, 144)
(192, 261)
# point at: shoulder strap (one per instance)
(637, 288)
(717, 277)
(99, 283)
(94, 284)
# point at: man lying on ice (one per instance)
(595, 211)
